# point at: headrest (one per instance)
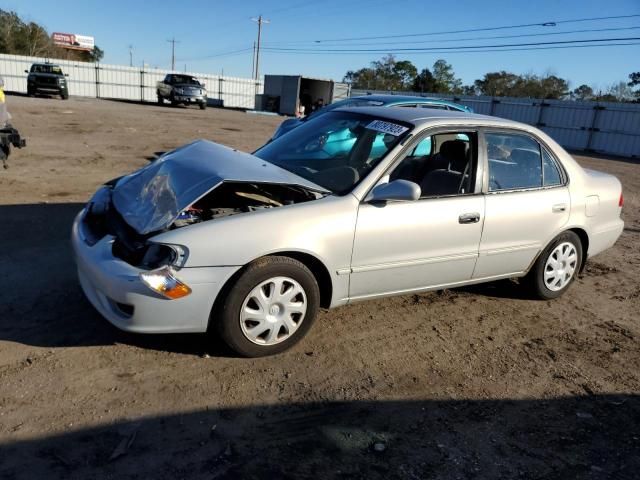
(525, 158)
(453, 149)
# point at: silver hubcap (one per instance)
(560, 266)
(273, 311)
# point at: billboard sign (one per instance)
(73, 41)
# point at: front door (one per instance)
(415, 245)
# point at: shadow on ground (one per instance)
(44, 305)
(592, 437)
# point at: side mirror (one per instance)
(26, 71)
(398, 190)
(66, 74)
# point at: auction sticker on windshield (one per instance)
(387, 127)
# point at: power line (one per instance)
(224, 53)
(484, 29)
(469, 47)
(492, 37)
(468, 51)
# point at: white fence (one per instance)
(128, 83)
(604, 127)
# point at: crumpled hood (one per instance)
(152, 198)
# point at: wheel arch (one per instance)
(317, 268)
(584, 240)
(584, 243)
(314, 264)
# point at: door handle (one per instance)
(469, 218)
(559, 207)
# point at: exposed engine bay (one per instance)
(232, 198)
(229, 198)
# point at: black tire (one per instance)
(535, 281)
(64, 95)
(30, 92)
(202, 105)
(160, 100)
(227, 318)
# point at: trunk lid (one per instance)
(152, 198)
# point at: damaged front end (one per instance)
(197, 183)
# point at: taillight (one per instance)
(621, 201)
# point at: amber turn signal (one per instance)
(164, 282)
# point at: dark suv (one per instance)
(47, 78)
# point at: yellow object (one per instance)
(1, 96)
(165, 283)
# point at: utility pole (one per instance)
(253, 62)
(259, 21)
(131, 55)
(173, 42)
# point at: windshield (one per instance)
(335, 150)
(185, 79)
(46, 69)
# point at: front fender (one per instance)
(322, 228)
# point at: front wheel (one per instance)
(271, 307)
(203, 105)
(556, 267)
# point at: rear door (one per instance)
(527, 202)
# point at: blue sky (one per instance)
(207, 29)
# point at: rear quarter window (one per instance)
(550, 170)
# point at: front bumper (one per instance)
(190, 98)
(48, 88)
(114, 288)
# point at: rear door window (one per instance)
(515, 161)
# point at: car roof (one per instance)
(421, 116)
(405, 98)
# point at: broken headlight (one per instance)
(158, 255)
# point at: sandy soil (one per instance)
(467, 383)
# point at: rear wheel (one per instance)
(556, 267)
(160, 100)
(271, 307)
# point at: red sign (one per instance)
(64, 38)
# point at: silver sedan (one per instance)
(355, 204)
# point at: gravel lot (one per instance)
(468, 383)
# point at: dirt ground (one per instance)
(468, 383)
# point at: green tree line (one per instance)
(18, 37)
(392, 74)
